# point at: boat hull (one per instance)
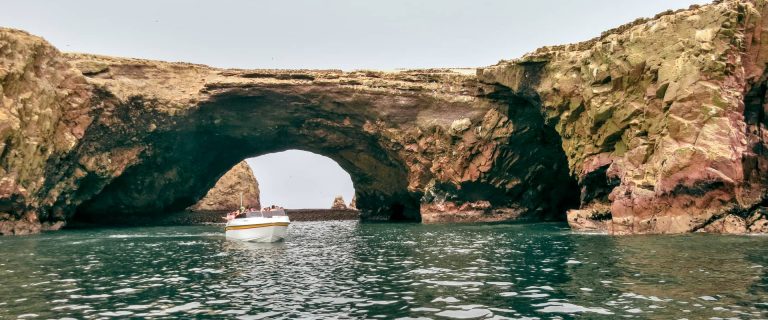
(257, 229)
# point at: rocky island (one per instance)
(657, 126)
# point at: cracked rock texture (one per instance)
(653, 127)
(225, 195)
(662, 120)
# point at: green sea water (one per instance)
(346, 269)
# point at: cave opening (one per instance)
(531, 170)
(514, 159)
(297, 179)
(175, 167)
(294, 179)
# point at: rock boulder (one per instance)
(225, 195)
(338, 203)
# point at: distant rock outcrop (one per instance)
(225, 195)
(338, 203)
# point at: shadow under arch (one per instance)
(180, 165)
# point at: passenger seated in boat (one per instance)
(240, 213)
(252, 213)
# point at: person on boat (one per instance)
(240, 213)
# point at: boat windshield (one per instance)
(266, 214)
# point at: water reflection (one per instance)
(696, 276)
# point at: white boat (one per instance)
(267, 225)
(259, 226)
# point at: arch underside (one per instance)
(661, 139)
(403, 152)
(181, 164)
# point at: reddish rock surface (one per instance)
(654, 127)
(661, 120)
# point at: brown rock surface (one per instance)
(44, 111)
(225, 195)
(662, 120)
(338, 203)
(390, 130)
(654, 127)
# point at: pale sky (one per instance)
(300, 179)
(345, 34)
(327, 34)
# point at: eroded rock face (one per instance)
(161, 133)
(390, 131)
(655, 127)
(661, 120)
(225, 195)
(44, 112)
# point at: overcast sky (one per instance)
(346, 34)
(300, 179)
(338, 34)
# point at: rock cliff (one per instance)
(654, 127)
(662, 120)
(225, 195)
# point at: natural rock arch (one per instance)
(657, 126)
(182, 160)
(384, 137)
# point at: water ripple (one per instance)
(401, 271)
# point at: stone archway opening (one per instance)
(411, 157)
(177, 167)
(297, 179)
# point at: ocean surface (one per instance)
(346, 269)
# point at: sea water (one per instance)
(346, 269)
